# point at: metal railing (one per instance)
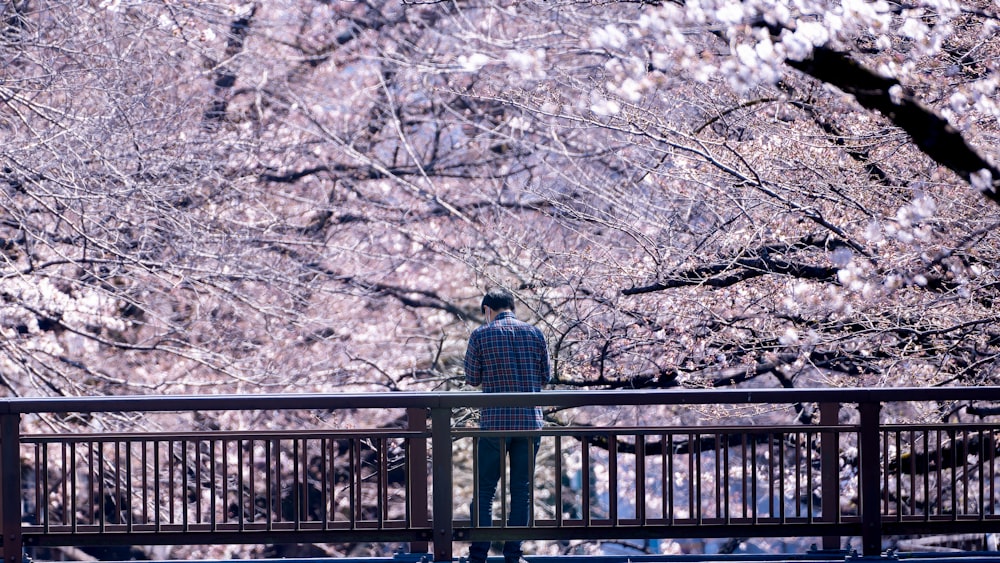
(251, 476)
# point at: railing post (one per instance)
(870, 468)
(829, 415)
(10, 487)
(441, 450)
(417, 484)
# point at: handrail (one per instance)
(226, 485)
(150, 403)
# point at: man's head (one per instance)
(496, 300)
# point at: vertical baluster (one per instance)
(887, 491)
(244, 480)
(443, 501)
(720, 468)
(383, 481)
(128, 496)
(868, 453)
(668, 478)
(355, 482)
(927, 473)
(992, 471)
(276, 505)
(797, 464)
(41, 483)
(74, 508)
(417, 482)
(913, 471)
(558, 512)
(157, 506)
(726, 486)
(171, 481)
(772, 496)
(965, 470)
(186, 489)
(810, 440)
(697, 476)
(640, 479)
(693, 511)
(268, 483)
(502, 488)
(68, 477)
(214, 486)
(116, 502)
(747, 483)
(278, 473)
(325, 482)
(585, 479)
(981, 471)
(613, 515)
(533, 457)
(829, 460)
(144, 464)
(295, 494)
(10, 488)
(780, 444)
(91, 485)
(100, 504)
(754, 501)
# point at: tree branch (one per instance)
(751, 264)
(931, 133)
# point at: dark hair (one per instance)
(498, 299)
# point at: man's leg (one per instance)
(522, 451)
(489, 463)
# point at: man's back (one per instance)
(508, 356)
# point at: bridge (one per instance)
(869, 472)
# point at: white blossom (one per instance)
(896, 94)
(813, 32)
(982, 180)
(959, 102)
(913, 28)
(778, 13)
(731, 13)
(797, 48)
(473, 62)
(528, 63)
(609, 37)
(601, 105)
(874, 17)
(519, 123)
(790, 337)
(631, 89)
(873, 233)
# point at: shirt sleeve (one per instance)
(545, 370)
(473, 363)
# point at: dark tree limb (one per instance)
(750, 264)
(930, 132)
(225, 78)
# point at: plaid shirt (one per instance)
(508, 356)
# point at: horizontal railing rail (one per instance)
(286, 469)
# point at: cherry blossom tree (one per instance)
(313, 195)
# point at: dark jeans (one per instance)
(521, 452)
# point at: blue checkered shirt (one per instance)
(508, 356)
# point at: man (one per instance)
(506, 355)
